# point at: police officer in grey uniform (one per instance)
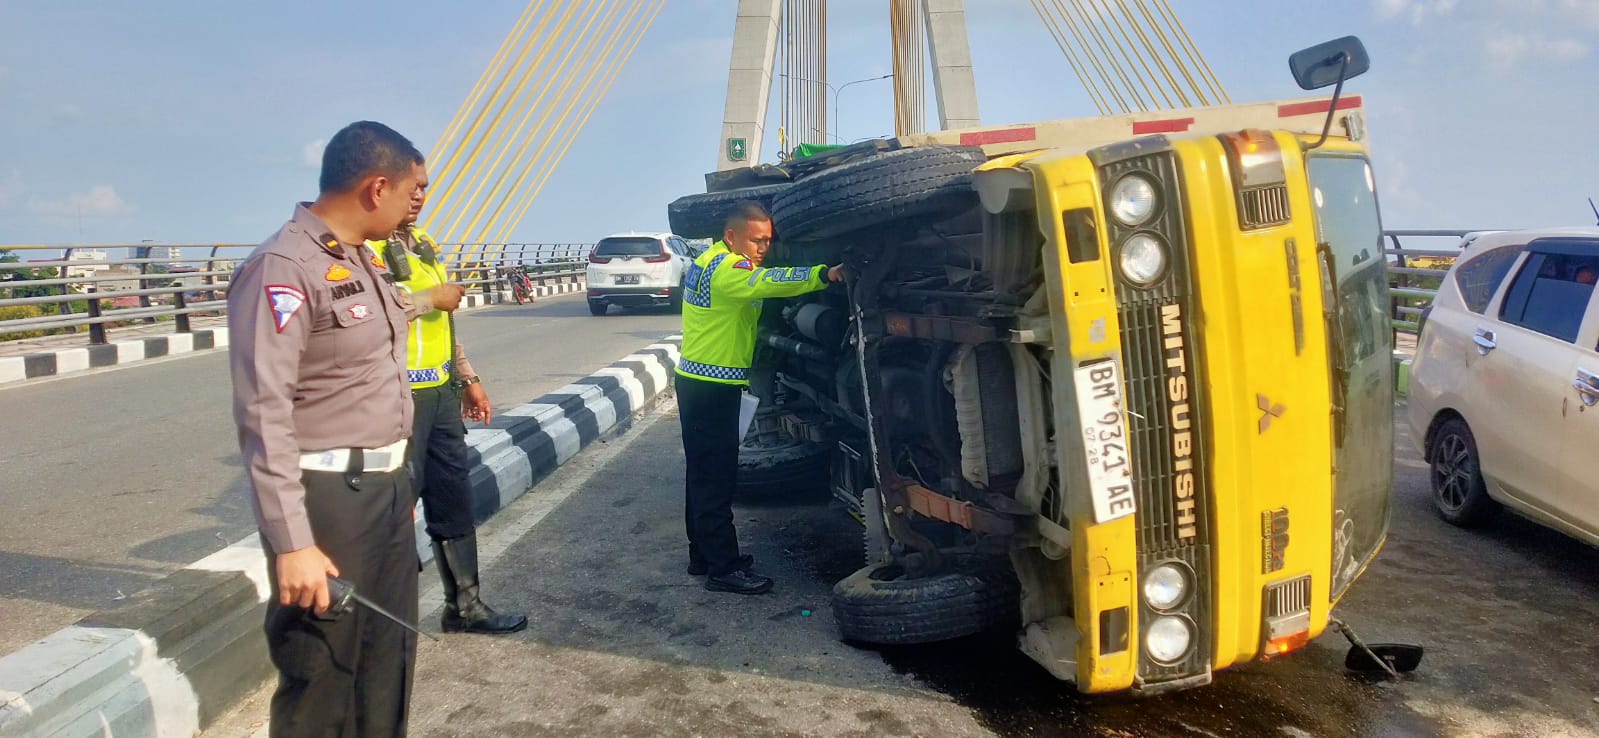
(324, 410)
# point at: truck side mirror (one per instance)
(1323, 65)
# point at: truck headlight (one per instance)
(1133, 200)
(1165, 586)
(1168, 639)
(1143, 259)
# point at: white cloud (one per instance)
(1510, 50)
(1582, 11)
(1416, 10)
(97, 200)
(312, 153)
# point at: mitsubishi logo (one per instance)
(1268, 410)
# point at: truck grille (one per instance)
(1263, 206)
(1288, 598)
(1157, 327)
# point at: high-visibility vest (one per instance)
(722, 297)
(429, 345)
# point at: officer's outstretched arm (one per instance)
(739, 280)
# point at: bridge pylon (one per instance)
(793, 34)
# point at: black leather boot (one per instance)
(456, 559)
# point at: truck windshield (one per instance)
(1360, 341)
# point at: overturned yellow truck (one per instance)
(1121, 385)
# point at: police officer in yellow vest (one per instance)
(441, 383)
(721, 303)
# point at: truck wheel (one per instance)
(705, 215)
(931, 182)
(774, 465)
(597, 307)
(1458, 490)
(879, 605)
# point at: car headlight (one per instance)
(1165, 586)
(1143, 259)
(1133, 200)
(1168, 639)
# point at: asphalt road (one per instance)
(623, 643)
(111, 480)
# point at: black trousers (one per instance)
(350, 676)
(709, 414)
(439, 462)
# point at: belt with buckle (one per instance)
(385, 459)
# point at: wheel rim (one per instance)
(1453, 472)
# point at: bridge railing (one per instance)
(1418, 259)
(62, 289)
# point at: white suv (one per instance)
(637, 270)
(1504, 386)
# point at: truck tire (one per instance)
(878, 605)
(792, 472)
(931, 182)
(705, 215)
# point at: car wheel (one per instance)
(929, 183)
(705, 215)
(1458, 490)
(880, 604)
(597, 307)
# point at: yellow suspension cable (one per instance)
(514, 193)
(465, 174)
(567, 76)
(1193, 51)
(1165, 43)
(1057, 34)
(593, 102)
(1136, 53)
(1157, 60)
(489, 73)
(1121, 49)
(1109, 59)
(1106, 80)
(504, 143)
(445, 173)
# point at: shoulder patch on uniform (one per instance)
(285, 301)
(336, 273)
(744, 264)
(376, 262)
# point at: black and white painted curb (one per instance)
(83, 358)
(180, 653)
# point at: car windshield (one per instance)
(612, 248)
(1349, 235)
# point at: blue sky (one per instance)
(196, 121)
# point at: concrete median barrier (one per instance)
(70, 359)
(176, 655)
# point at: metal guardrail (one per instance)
(77, 287)
(1415, 273)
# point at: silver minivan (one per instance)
(1504, 388)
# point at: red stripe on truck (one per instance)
(1171, 125)
(1004, 136)
(1318, 107)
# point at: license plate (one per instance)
(627, 279)
(1110, 477)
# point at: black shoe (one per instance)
(697, 568)
(739, 582)
(464, 612)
